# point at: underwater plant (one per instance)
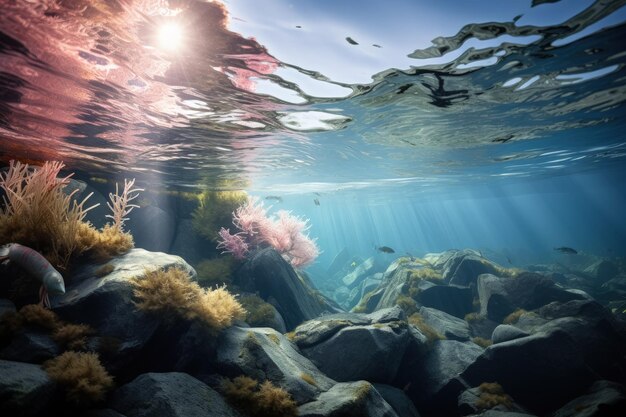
(215, 208)
(215, 272)
(491, 395)
(284, 232)
(431, 334)
(172, 292)
(259, 313)
(259, 400)
(39, 214)
(82, 376)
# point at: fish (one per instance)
(385, 249)
(351, 41)
(565, 249)
(509, 260)
(274, 197)
(36, 265)
(316, 201)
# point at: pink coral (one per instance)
(234, 244)
(285, 233)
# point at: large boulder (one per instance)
(604, 399)
(106, 304)
(464, 267)
(506, 332)
(443, 363)
(501, 296)
(349, 399)
(30, 345)
(264, 354)
(25, 389)
(450, 327)
(349, 347)
(359, 273)
(452, 299)
(602, 271)
(398, 400)
(170, 394)
(269, 275)
(549, 362)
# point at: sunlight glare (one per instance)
(170, 37)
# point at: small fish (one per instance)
(385, 249)
(565, 249)
(351, 41)
(38, 266)
(353, 264)
(316, 201)
(274, 197)
(509, 260)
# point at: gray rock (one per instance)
(6, 306)
(444, 362)
(169, 395)
(339, 261)
(468, 404)
(604, 399)
(602, 271)
(464, 267)
(25, 389)
(346, 400)
(494, 300)
(452, 299)
(500, 413)
(106, 303)
(342, 295)
(263, 353)
(398, 400)
(359, 273)
(451, 327)
(506, 332)
(348, 347)
(31, 346)
(106, 412)
(543, 361)
(153, 228)
(269, 275)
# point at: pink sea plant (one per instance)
(285, 233)
(234, 244)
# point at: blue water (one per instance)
(418, 127)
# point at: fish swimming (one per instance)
(565, 249)
(316, 201)
(36, 265)
(385, 249)
(274, 197)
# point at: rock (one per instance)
(353, 347)
(189, 245)
(501, 296)
(602, 271)
(464, 267)
(468, 404)
(32, 346)
(6, 306)
(444, 362)
(107, 412)
(341, 295)
(506, 332)
(543, 361)
(339, 261)
(451, 327)
(168, 395)
(359, 273)
(346, 400)
(452, 299)
(263, 353)
(604, 399)
(499, 413)
(146, 236)
(106, 304)
(398, 400)
(597, 335)
(269, 275)
(25, 389)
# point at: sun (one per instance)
(170, 37)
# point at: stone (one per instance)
(32, 346)
(359, 273)
(449, 326)
(353, 347)
(452, 299)
(171, 394)
(604, 399)
(25, 389)
(464, 267)
(358, 398)
(106, 304)
(602, 271)
(263, 353)
(275, 280)
(506, 332)
(468, 404)
(398, 400)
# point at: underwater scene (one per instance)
(313, 208)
